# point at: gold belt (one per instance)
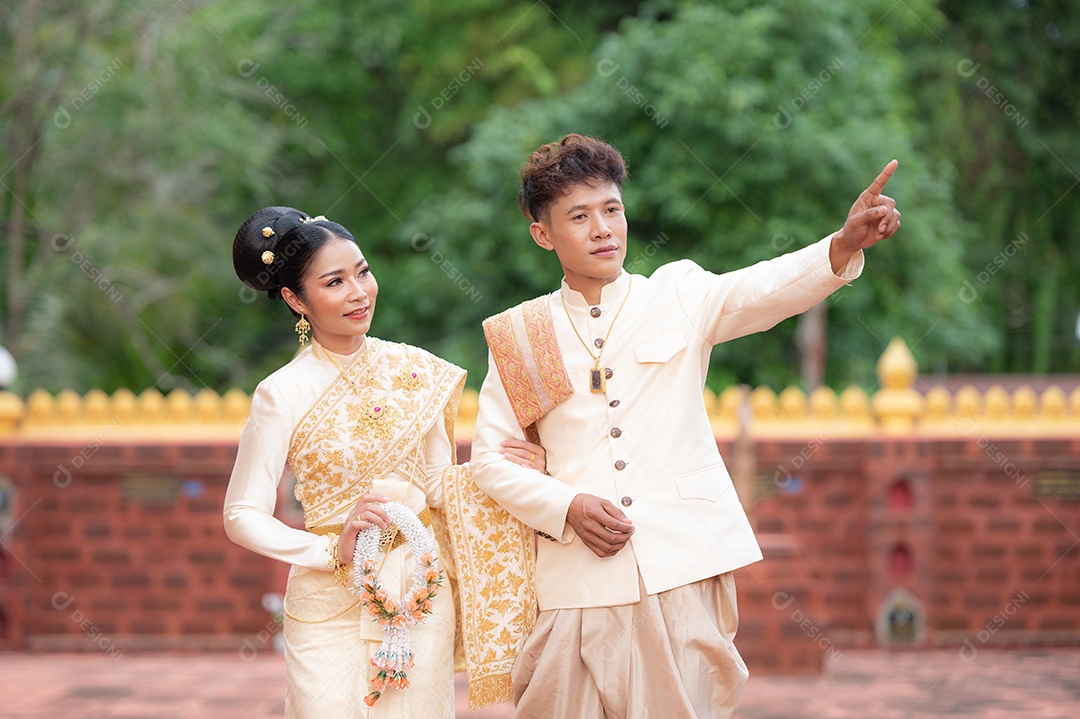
(391, 538)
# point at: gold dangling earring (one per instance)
(302, 328)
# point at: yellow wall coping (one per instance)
(895, 409)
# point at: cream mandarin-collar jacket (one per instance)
(645, 444)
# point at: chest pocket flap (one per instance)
(660, 348)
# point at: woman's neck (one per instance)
(343, 344)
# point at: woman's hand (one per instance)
(366, 513)
(526, 454)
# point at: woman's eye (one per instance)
(333, 282)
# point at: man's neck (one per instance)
(590, 288)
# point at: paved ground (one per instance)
(858, 685)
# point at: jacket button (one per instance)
(608, 372)
(616, 432)
(594, 312)
(599, 343)
(620, 465)
(613, 403)
(626, 501)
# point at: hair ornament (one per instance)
(268, 256)
(317, 218)
(268, 232)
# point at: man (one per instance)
(641, 524)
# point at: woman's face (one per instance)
(339, 296)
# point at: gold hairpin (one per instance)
(267, 257)
(317, 218)
(268, 232)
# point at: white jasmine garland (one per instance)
(395, 654)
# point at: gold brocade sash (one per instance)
(495, 560)
(526, 351)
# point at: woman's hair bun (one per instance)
(254, 257)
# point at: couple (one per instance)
(639, 524)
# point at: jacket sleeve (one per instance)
(753, 299)
(251, 498)
(538, 500)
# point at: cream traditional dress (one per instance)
(379, 421)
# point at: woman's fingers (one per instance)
(518, 456)
(367, 511)
(371, 516)
(377, 516)
(525, 454)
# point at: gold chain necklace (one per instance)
(597, 375)
(342, 371)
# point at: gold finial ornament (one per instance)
(267, 257)
(302, 328)
(268, 232)
(897, 404)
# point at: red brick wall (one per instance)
(100, 562)
(1004, 564)
(95, 562)
(991, 562)
(810, 594)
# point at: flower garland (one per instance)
(395, 654)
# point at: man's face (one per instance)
(586, 228)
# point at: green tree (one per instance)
(137, 137)
(141, 136)
(749, 130)
(126, 158)
(998, 90)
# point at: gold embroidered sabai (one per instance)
(371, 422)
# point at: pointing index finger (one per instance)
(879, 184)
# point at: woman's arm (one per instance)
(251, 498)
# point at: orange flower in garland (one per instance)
(395, 655)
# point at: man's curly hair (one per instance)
(554, 168)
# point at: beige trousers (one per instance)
(670, 655)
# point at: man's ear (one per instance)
(540, 235)
(292, 300)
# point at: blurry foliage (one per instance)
(1002, 103)
(721, 175)
(137, 137)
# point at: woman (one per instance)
(359, 421)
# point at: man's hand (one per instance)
(599, 524)
(872, 218)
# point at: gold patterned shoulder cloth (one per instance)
(368, 423)
(495, 560)
(526, 351)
